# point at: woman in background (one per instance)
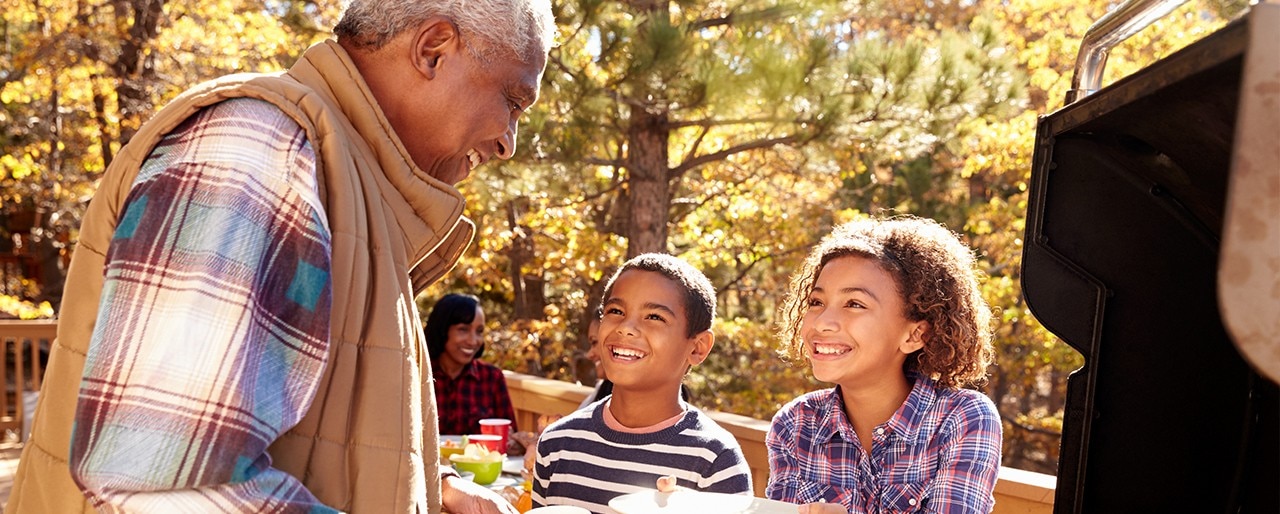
(467, 389)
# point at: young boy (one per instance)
(890, 311)
(655, 325)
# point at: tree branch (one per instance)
(689, 164)
(742, 274)
(601, 161)
(712, 122)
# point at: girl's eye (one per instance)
(814, 302)
(853, 304)
(613, 310)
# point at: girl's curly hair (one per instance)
(938, 280)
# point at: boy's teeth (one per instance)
(624, 352)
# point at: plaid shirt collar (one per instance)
(905, 422)
(468, 371)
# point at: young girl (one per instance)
(889, 311)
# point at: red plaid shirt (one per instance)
(479, 392)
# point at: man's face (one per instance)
(472, 114)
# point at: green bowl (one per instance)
(485, 472)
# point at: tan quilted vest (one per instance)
(367, 444)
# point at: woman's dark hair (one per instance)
(453, 309)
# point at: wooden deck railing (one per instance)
(21, 343)
(539, 399)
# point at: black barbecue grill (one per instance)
(1124, 230)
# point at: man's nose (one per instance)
(507, 145)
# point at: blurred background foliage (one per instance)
(733, 133)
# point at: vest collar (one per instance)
(428, 211)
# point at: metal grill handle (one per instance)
(1113, 28)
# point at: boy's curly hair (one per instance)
(938, 280)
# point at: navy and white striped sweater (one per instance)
(583, 462)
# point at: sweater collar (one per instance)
(428, 211)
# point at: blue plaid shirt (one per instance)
(213, 329)
(940, 452)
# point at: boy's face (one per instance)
(855, 331)
(643, 341)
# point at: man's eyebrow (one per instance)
(524, 94)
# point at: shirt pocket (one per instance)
(903, 498)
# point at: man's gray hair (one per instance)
(487, 26)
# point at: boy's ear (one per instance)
(436, 38)
(701, 347)
(915, 340)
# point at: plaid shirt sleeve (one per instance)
(969, 459)
(784, 462)
(213, 326)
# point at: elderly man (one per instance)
(239, 331)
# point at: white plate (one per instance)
(695, 502)
(513, 464)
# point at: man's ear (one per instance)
(701, 348)
(915, 340)
(436, 38)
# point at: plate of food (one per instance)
(687, 501)
(451, 445)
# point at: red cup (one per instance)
(500, 427)
(492, 442)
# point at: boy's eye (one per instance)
(613, 310)
(854, 304)
(657, 317)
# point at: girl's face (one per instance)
(855, 332)
(465, 339)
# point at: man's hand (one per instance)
(823, 508)
(462, 496)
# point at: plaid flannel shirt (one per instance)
(940, 452)
(479, 392)
(213, 327)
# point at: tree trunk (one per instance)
(650, 191)
(528, 299)
(133, 67)
(100, 116)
